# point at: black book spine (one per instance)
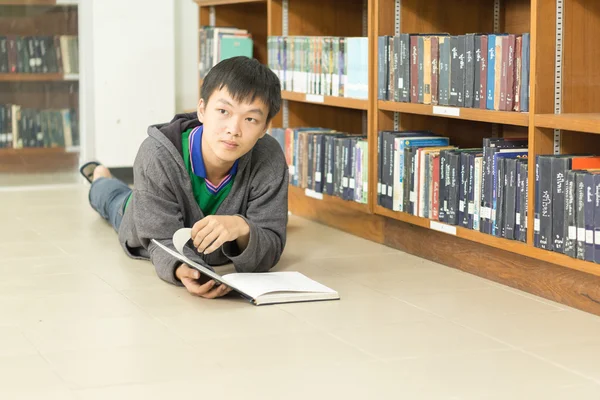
(485, 183)
(580, 214)
(382, 62)
(379, 167)
(462, 73)
(510, 199)
(412, 200)
(390, 172)
(442, 201)
(384, 168)
(546, 241)
(590, 204)
(499, 207)
(347, 166)
(408, 170)
(319, 155)
(470, 69)
(454, 71)
(310, 179)
(454, 188)
(397, 69)
(560, 166)
(404, 58)
(3, 55)
(352, 162)
(537, 204)
(339, 167)
(570, 224)
(463, 215)
(471, 198)
(519, 200)
(421, 53)
(477, 72)
(328, 166)
(597, 220)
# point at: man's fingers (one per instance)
(207, 241)
(196, 289)
(216, 292)
(186, 272)
(215, 245)
(198, 226)
(202, 234)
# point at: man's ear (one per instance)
(201, 109)
(266, 129)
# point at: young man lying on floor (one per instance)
(215, 171)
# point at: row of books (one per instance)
(326, 161)
(567, 205)
(220, 43)
(39, 54)
(325, 66)
(474, 70)
(26, 127)
(483, 189)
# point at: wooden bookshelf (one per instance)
(521, 265)
(208, 3)
(461, 113)
(583, 122)
(343, 102)
(37, 78)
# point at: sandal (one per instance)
(87, 170)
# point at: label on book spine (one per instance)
(313, 194)
(536, 225)
(353, 184)
(518, 221)
(572, 233)
(450, 111)
(581, 234)
(318, 176)
(486, 212)
(329, 178)
(292, 169)
(589, 237)
(597, 234)
(471, 209)
(345, 181)
(314, 98)
(413, 197)
(461, 206)
(436, 226)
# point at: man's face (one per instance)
(231, 129)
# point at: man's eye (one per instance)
(251, 119)
(222, 111)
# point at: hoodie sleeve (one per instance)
(157, 215)
(266, 215)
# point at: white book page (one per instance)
(257, 284)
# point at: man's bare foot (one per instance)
(101, 172)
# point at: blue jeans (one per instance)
(107, 196)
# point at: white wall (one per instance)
(130, 83)
(186, 55)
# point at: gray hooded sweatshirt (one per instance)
(163, 202)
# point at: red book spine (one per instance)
(510, 74)
(484, 74)
(517, 83)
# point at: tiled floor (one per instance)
(80, 320)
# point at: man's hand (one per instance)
(211, 232)
(188, 276)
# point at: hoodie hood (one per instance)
(179, 124)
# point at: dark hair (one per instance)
(245, 79)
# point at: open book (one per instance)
(258, 288)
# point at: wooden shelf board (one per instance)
(499, 243)
(334, 200)
(343, 102)
(27, 2)
(470, 114)
(35, 151)
(587, 122)
(38, 77)
(204, 3)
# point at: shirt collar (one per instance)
(195, 146)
